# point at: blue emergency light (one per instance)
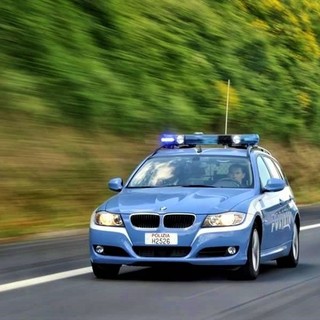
(235, 140)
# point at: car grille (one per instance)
(113, 251)
(178, 220)
(163, 252)
(169, 220)
(213, 252)
(145, 220)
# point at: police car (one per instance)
(199, 199)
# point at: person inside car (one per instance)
(237, 173)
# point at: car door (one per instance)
(271, 208)
(283, 221)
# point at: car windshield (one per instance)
(194, 171)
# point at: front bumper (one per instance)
(207, 247)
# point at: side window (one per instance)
(263, 171)
(273, 169)
(282, 174)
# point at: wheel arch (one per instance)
(297, 221)
(258, 222)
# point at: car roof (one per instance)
(233, 145)
(234, 152)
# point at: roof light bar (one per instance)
(241, 140)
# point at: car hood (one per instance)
(178, 199)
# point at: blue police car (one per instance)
(199, 199)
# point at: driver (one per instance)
(237, 172)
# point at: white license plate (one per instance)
(161, 238)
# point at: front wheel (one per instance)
(105, 271)
(251, 269)
(291, 260)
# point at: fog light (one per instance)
(99, 249)
(232, 250)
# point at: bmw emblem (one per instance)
(163, 208)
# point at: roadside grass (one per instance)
(300, 162)
(53, 177)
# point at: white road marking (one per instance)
(73, 273)
(312, 226)
(44, 279)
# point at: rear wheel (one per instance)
(251, 269)
(105, 271)
(291, 260)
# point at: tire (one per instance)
(291, 260)
(251, 269)
(105, 271)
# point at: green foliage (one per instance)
(128, 64)
(80, 78)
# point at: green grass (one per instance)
(52, 178)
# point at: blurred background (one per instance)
(87, 86)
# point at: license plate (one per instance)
(161, 238)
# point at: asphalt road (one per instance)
(50, 278)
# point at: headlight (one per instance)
(224, 219)
(108, 219)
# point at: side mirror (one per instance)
(115, 184)
(274, 184)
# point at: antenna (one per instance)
(227, 109)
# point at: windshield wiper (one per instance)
(174, 185)
(142, 187)
(162, 186)
(197, 186)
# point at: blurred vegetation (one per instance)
(81, 80)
